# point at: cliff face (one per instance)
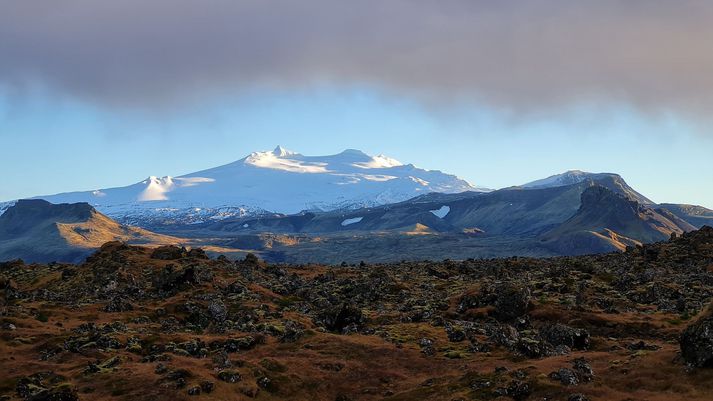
(607, 221)
(26, 214)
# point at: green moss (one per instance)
(43, 316)
(272, 365)
(454, 354)
(286, 302)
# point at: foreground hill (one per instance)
(38, 231)
(134, 323)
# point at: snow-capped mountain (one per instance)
(559, 180)
(613, 181)
(278, 181)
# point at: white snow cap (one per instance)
(277, 180)
(282, 152)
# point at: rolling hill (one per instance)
(38, 231)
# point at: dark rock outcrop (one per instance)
(697, 341)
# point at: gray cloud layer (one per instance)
(520, 55)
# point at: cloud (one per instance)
(522, 56)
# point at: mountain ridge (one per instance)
(542, 220)
(607, 221)
(613, 181)
(277, 181)
(37, 231)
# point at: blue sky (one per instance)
(55, 144)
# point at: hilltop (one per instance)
(38, 231)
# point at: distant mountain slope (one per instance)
(278, 181)
(698, 216)
(608, 221)
(513, 211)
(38, 231)
(586, 217)
(612, 181)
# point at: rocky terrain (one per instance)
(135, 323)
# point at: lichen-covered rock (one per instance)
(168, 252)
(217, 310)
(229, 376)
(584, 370)
(455, 334)
(512, 301)
(581, 372)
(197, 253)
(292, 332)
(207, 386)
(45, 386)
(561, 334)
(565, 376)
(697, 341)
(118, 304)
(338, 318)
(533, 347)
(504, 334)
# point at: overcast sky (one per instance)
(98, 94)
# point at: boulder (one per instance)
(697, 341)
(118, 304)
(512, 302)
(338, 318)
(229, 376)
(168, 252)
(560, 334)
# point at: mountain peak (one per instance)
(34, 207)
(355, 152)
(279, 151)
(569, 177)
(276, 180)
(27, 212)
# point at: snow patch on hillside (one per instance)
(442, 211)
(419, 181)
(5, 205)
(353, 220)
(379, 161)
(157, 188)
(282, 159)
(559, 180)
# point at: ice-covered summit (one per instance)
(559, 180)
(279, 181)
